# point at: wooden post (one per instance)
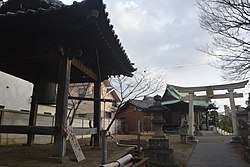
(139, 138)
(61, 107)
(1, 119)
(104, 147)
(97, 111)
(33, 113)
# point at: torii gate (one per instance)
(210, 95)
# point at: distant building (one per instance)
(179, 109)
(132, 112)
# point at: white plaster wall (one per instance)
(15, 93)
(10, 117)
(46, 109)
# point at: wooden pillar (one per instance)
(233, 112)
(191, 114)
(97, 111)
(61, 107)
(33, 113)
(1, 119)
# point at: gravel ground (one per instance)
(38, 155)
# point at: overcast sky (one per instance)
(164, 36)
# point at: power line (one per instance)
(181, 66)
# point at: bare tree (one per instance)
(229, 23)
(140, 85)
(85, 92)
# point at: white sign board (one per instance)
(74, 144)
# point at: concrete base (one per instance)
(236, 139)
(192, 139)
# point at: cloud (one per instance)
(168, 31)
(136, 17)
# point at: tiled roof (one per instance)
(53, 2)
(53, 15)
(171, 94)
(142, 103)
(16, 7)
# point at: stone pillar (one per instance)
(158, 150)
(233, 112)
(158, 121)
(191, 115)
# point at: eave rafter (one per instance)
(84, 69)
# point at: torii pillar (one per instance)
(233, 111)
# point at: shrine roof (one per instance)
(173, 96)
(32, 32)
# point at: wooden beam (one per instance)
(19, 129)
(213, 87)
(84, 69)
(219, 96)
